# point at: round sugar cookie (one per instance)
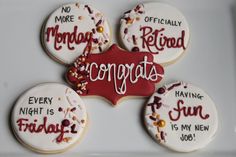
(157, 28)
(49, 118)
(74, 29)
(181, 117)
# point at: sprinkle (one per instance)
(80, 18)
(129, 20)
(137, 7)
(174, 85)
(77, 4)
(161, 90)
(74, 118)
(152, 118)
(162, 135)
(67, 139)
(95, 40)
(82, 121)
(126, 30)
(134, 40)
(73, 109)
(83, 81)
(93, 30)
(69, 101)
(100, 29)
(152, 107)
(99, 22)
(60, 109)
(135, 49)
(89, 9)
(65, 122)
(127, 12)
(98, 14)
(100, 49)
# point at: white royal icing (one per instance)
(123, 72)
(188, 113)
(73, 29)
(157, 28)
(60, 104)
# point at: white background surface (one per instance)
(210, 63)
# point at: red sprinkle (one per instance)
(152, 118)
(73, 109)
(157, 102)
(152, 105)
(134, 40)
(60, 109)
(93, 30)
(127, 12)
(65, 122)
(138, 7)
(95, 41)
(161, 90)
(126, 30)
(174, 85)
(98, 23)
(162, 135)
(135, 49)
(89, 9)
(100, 49)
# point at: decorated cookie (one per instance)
(114, 74)
(157, 28)
(49, 118)
(181, 117)
(74, 29)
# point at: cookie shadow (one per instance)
(233, 17)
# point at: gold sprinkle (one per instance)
(161, 123)
(100, 29)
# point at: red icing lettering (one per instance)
(68, 38)
(195, 111)
(32, 127)
(155, 40)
